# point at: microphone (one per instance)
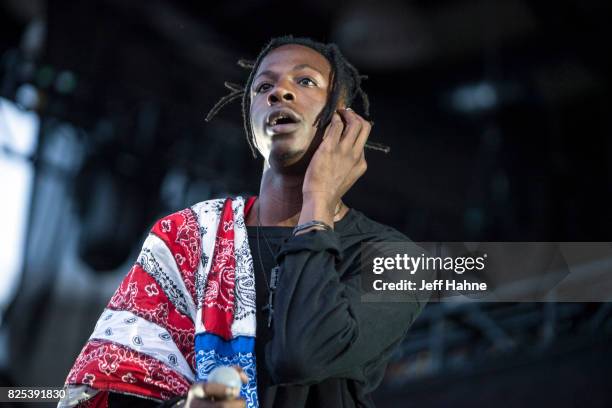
(227, 376)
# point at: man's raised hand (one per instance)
(337, 164)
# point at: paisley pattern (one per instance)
(185, 307)
(213, 352)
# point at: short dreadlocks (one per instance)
(346, 83)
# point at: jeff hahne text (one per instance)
(413, 264)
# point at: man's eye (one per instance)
(307, 82)
(262, 87)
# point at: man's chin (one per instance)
(288, 161)
(289, 156)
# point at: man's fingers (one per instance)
(334, 130)
(243, 377)
(238, 403)
(213, 390)
(355, 138)
(354, 124)
(363, 136)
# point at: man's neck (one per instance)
(280, 200)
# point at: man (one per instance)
(284, 265)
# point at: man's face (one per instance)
(289, 91)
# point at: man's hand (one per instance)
(336, 165)
(214, 395)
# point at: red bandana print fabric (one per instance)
(143, 344)
(217, 313)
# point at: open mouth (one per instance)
(282, 117)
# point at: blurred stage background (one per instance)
(497, 112)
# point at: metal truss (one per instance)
(457, 337)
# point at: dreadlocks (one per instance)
(346, 84)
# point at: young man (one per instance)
(270, 284)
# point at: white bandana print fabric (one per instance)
(208, 214)
(144, 343)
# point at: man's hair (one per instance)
(346, 83)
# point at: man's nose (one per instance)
(280, 93)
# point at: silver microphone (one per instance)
(227, 376)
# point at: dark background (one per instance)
(497, 113)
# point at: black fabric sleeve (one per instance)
(321, 328)
(118, 400)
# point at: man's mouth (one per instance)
(281, 121)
